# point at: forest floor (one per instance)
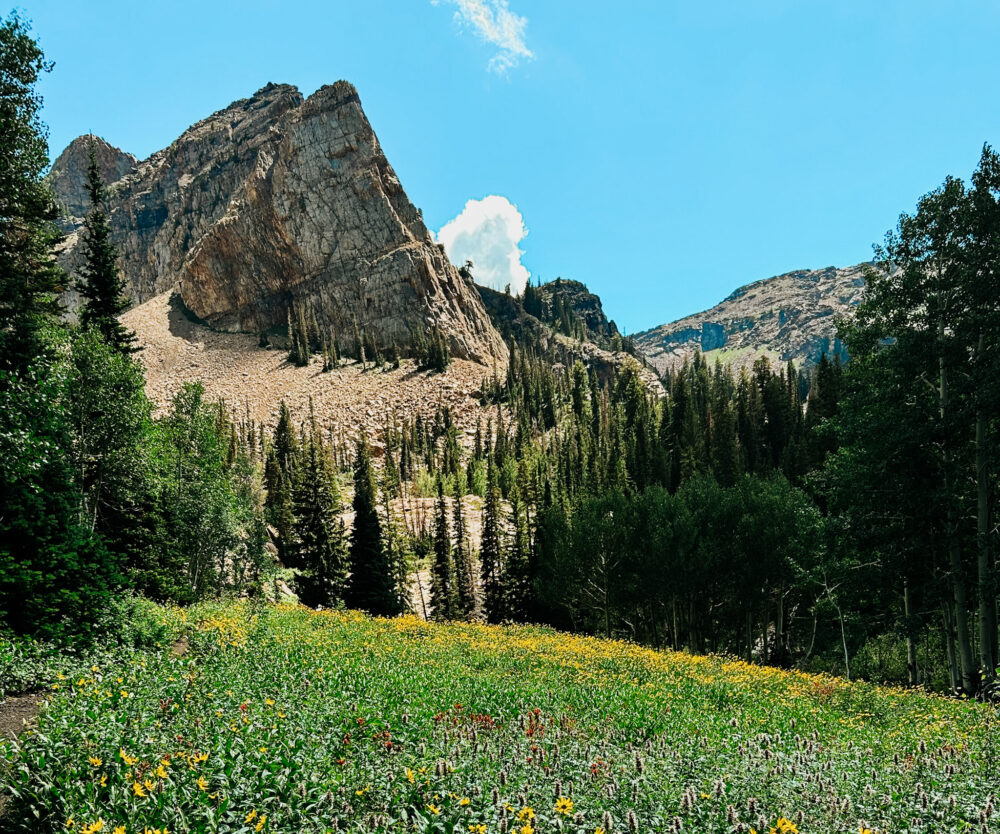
(16, 713)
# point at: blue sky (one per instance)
(662, 152)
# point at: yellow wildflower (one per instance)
(202, 783)
(526, 829)
(251, 816)
(94, 761)
(464, 801)
(93, 828)
(138, 789)
(119, 829)
(564, 805)
(260, 822)
(434, 809)
(525, 814)
(410, 776)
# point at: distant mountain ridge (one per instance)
(787, 317)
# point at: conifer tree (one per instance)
(491, 552)
(30, 278)
(444, 586)
(102, 287)
(319, 531)
(280, 478)
(371, 586)
(464, 569)
(517, 567)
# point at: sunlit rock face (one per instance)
(277, 203)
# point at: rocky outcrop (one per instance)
(277, 203)
(529, 331)
(792, 316)
(585, 306)
(68, 177)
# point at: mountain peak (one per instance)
(278, 204)
(68, 176)
(791, 316)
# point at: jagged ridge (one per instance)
(278, 201)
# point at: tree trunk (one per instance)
(949, 645)
(911, 646)
(959, 591)
(987, 591)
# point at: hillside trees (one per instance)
(54, 572)
(926, 334)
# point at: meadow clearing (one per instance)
(282, 719)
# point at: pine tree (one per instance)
(464, 568)
(397, 550)
(102, 287)
(444, 586)
(30, 278)
(319, 531)
(517, 568)
(371, 586)
(280, 478)
(491, 552)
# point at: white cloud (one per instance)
(496, 24)
(488, 232)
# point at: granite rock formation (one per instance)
(278, 203)
(69, 174)
(516, 324)
(791, 316)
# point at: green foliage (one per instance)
(444, 583)
(102, 287)
(432, 351)
(29, 277)
(320, 545)
(372, 584)
(54, 574)
(642, 738)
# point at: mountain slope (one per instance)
(279, 204)
(252, 380)
(790, 316)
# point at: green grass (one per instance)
(284, 720)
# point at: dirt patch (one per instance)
(16, 712)
(180, 648)
(15, 715)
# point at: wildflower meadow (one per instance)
(281, 719)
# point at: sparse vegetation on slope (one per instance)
(280, 719)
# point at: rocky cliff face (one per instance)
(585, 305)
(278, 202)
(530, 332)
(69, 174)
(791, 316)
